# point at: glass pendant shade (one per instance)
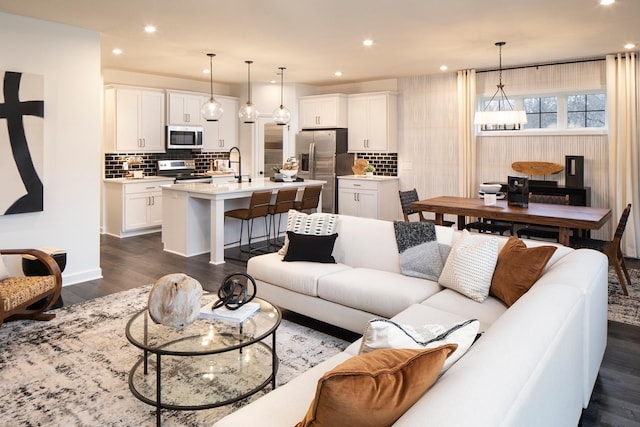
(248, 113)
(211, 110)
(281, 115)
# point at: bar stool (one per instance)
(258, 208)
(284, 201)
(310, 198)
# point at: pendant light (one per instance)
(211, 110)
(248, 113)
(281, 115)
(508, 119)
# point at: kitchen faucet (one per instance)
(239, 163)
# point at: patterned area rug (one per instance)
(73, 370)
(625, 309)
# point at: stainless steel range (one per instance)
(183, 171)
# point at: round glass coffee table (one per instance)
(207, 364)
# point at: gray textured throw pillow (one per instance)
(420, 253)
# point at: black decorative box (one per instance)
(518, 191)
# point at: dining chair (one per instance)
(285, 200)
(310, 199)
(611, 248)
(258, 208)
(410, 196)
(539, 231)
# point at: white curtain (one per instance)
(622, 117)
(466, 136)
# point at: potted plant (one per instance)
(276, 170)
(369, 170)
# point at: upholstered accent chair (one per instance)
(19, 294)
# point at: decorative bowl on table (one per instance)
(488, 188)
(289, 174)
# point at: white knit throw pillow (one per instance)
(469, 268)
(318, 224)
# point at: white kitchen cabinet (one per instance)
(133, 206)
(184, 108)
(373, 197)
(323, 111)
(134, 120)
(223, 134)
(373, 122)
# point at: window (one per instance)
(559, 112)
(541, 112)
(586, 111)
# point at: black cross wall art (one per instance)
(21, 143)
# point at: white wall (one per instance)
(69, 60)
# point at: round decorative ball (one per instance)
(174, 300)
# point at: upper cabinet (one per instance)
(373, 122)
(184, 108)
(323, 111)
(223, 134)
(133, 119)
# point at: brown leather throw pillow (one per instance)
(517, 269)
(375, 389)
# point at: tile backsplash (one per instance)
(149, 165)
(385, 163)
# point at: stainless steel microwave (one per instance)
(184, 137)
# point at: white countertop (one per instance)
(234, 187)
(132, 180)
(369, 178)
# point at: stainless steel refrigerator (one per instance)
(322, 155)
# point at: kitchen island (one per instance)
(193, 214)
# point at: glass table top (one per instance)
(205, 335)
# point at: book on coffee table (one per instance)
(223, 313)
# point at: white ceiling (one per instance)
(315, 38)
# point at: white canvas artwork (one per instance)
(21, 142)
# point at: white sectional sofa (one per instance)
(534, 365)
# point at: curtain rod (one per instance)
(518, 67)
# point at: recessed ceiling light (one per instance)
(338, 73)
(443, 68)
(205, 71)
(368, 42)
(629, 46)
(273, 82)
(116, 51)
(150, 29)
(607, 2)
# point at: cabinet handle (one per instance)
(189, 117)
(357, 185)
(153, 200)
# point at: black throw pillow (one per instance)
(312, 248)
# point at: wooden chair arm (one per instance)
(47, 259)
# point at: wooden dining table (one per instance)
(565, 217)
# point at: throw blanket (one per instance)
(420, 253)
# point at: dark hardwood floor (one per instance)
(136, 261)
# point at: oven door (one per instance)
(184, 137)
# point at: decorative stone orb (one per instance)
(174, 300)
